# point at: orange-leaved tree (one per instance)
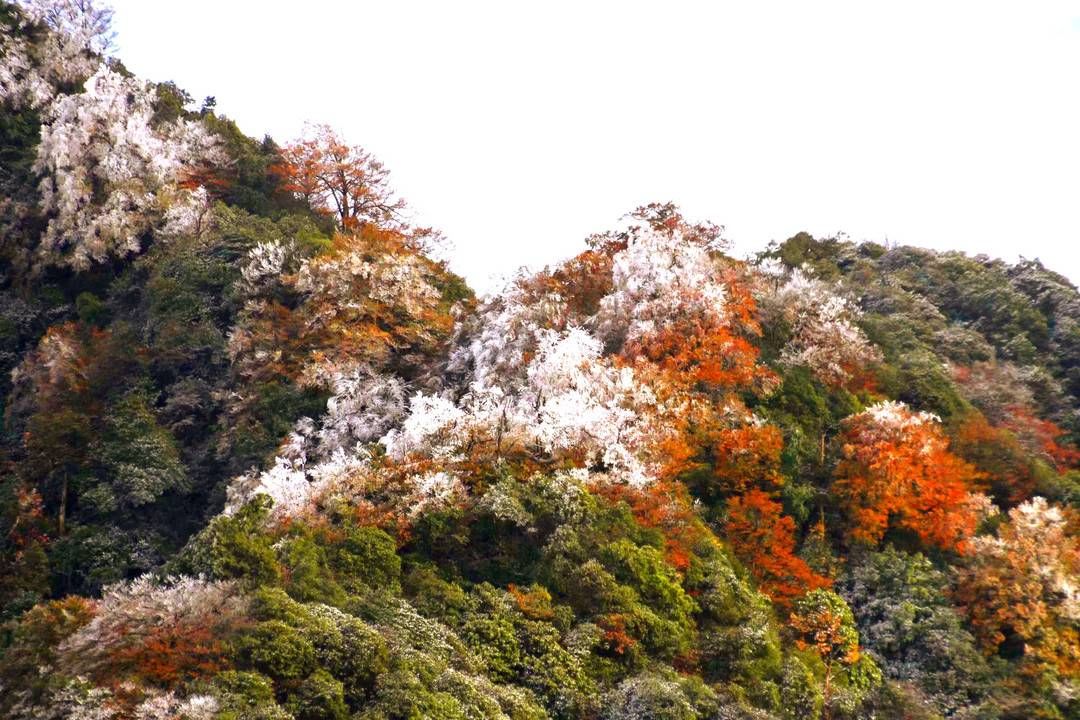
(824, 623)
(764, 539)
(896, 471)
(1020, 587)
(666, 506)
(337, 178)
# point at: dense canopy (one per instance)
(263, 456)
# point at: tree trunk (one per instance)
(62, 515)
(825, 692)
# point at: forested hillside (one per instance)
(262, 456)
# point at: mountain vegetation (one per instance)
(263, 456)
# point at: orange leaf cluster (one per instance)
(169, 655)
(615, 635)
(822, 631)
(338, 179)
(534, 603)
(764, 539)
(905, 478)
(747, 456)
(1041, 437)
(1021, 586)
(666, 507)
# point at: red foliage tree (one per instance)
(896, 470)
(339, 179)
(1041, 437)
(764, 539)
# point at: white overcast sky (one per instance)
(519, 128)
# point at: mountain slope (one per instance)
(263, 457)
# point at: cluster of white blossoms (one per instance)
(824, 336)
(110, 175)
(896, 415)
(572, 400)
(34, 71)
(659, 276)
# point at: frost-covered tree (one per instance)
(56, 46)
(110, 172)
(371, 300)
(824, 333)
(536, 378)
(661, 275)
(85, 22)
(364, 407)
(572, 402)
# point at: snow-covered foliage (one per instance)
(824, 336)
(266, 265)
(167, 706)
(433, 490)
(84, 23)
(111, 174)
(893, 416)
(364, 407)
(38, 64)
(189, 214)
(532, 381)
(293, 483)
(435, 426)
(397, 279)
(572, 401)
(1036, 544)
(582, 402)
(364, 300)
(648, 695)
(286, 484)
(660, 276)
(495, 344)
